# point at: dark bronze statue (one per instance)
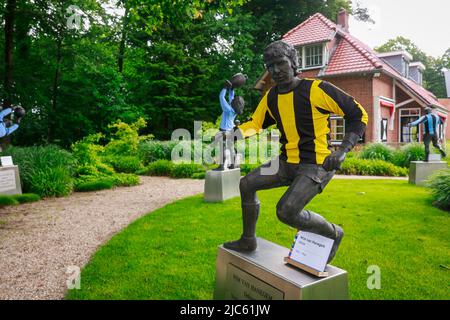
(301, 109)
(430, 124)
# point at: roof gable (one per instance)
(316, 28)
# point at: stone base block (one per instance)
(10, 180)
(263, 275)
(419, 171)
(222, 185)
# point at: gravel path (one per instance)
(39, 241)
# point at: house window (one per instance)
(419, 76)
(313, 56)
(405, 68)
(440, 131)
(409, 134)
(384, 127)
(337, 129)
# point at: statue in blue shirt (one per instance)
(430, 123)
(230, 109)
(7, 127)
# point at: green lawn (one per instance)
(170, 253)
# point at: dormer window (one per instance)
(312, 56)
(416, 70)
(405, 68)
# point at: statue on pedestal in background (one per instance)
(430, 123)
(230, 109)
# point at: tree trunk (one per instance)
(56, 78)
(124, 38)
(9, 45)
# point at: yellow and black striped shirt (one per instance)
(302, 116)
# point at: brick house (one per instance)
(388, 86)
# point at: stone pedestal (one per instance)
(222, 185)
(263, 275)
(419, 171)
(10, 180)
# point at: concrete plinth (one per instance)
(222, 185)
(10, 180)
(419, 171)
(263, 275)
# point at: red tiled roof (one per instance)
(349, 58)
(316, 28)
(350, 55)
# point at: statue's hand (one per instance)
(334, 160)
(228, 85)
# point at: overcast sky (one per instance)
(425, 22)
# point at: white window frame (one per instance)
(336, 117)
(400, 123)
(302, 53)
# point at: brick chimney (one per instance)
(447, 82)
(342, 19)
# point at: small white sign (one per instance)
(6, 161)
(311, 250)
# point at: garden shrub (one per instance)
(410, 152)
(158, 168)
(6, 200)
(439, 183)
(125, 140)
(27, 197)
(125, 180)
(52, 182)
(377, 151)
(45, 170)
(126, 164)
(199, 175)
(186, 170)
(98, 184)
(151, 151)
(354, 166)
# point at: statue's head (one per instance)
(428, 110)
(238, 105)
(281, 60)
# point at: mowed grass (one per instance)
(171, 253)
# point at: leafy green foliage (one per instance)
(125, 180)
(186, 170)
(99, 184)
(125, 140)
(51, 182)
(158, 168)
(377, 151)
(27, 197)
(126, 164)
(439, 183)
(354, 166)
(46, 170)
(150, 151)
(7, 201)
(408, 153)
